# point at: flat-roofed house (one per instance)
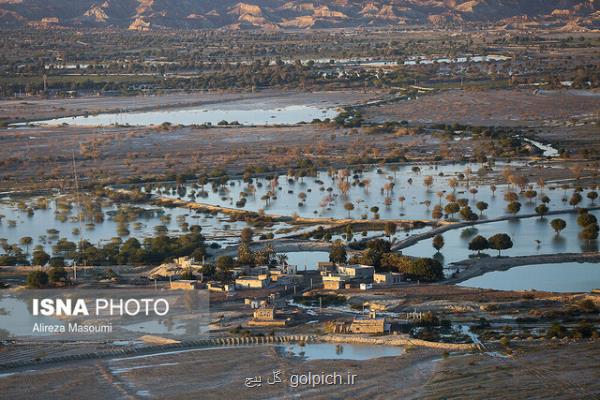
(357, 271)
(265, 316)
(253, 282)
(387, 278)
(333, 282)
(185, 284)
(373, 324)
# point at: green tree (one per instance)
(225, 263)
(514, 207)
(337, 252)
(590, 232)
(246, 235)
(478, 244)
(26, 241)
(437, 212)
(575, 199)
(451, 208)
(375, 211)
(389, 228)
(425, 269)
(40, 257)
(585, 219)
(558, 225)
(438, 242)
(57, 262)
(245, 255)
(500, 241)
(481, 206)
(57, 274)
(348, 207)
(592, 196)
(542, 210)
(37, 279)
(467, 214)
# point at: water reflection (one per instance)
(331, 351)
(199, 116)
(530, 236)
(564, 277)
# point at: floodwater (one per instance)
(322, 196)
(16, 318)
(332, 351)
(17, 223)
(209, 115)
(530, 236)
(307, 259)
(168, 326)
(564, 277)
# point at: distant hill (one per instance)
(280, 14)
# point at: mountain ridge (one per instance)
(282, 14)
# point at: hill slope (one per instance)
(278, 14)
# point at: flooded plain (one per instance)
(209, 115)
(407, 192)
(564, 277)
(530, 236)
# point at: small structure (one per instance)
(253, 282)
(176, 268)
(334, 282)
(373, 324)
(326, 267)
(265, 316)
(220, 287)
(283, 279)
(186, 284)
(387, 278)
(357, 271)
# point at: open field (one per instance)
(533, 371)
(520, 107)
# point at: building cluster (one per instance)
(245, 277)
(348, 276)
(263, 277)
(366, 325)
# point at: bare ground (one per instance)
(536, 370)
(491, 107)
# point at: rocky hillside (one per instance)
(282, 14)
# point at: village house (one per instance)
(373, 324)
(266, 316)
(370, 325)
(186, 284)
(176, 268)
(387, 278)
(220, 287)
(334, 282)
(357, 271)
(283, 279)
(246, 270)
(253, 282)
(326, 267)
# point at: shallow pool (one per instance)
(332, 351)
(564, 277)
